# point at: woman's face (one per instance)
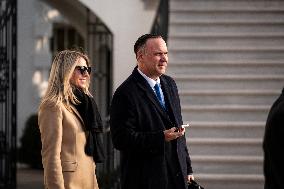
(80, 76)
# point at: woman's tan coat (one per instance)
(66, 166)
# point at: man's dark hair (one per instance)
(141, 41)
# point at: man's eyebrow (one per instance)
(161, 52)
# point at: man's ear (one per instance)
(139, 56)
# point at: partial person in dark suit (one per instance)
(144, 116)
(273, 146)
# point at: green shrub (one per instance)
(109, 179)
(30, 149)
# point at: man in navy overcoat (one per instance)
(145, 122)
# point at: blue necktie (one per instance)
(158, 94)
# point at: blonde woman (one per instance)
(69, 123)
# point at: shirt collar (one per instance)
(151, 82)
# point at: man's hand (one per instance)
(181, 130)
(171, 134)
(190, 178)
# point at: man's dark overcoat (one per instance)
(137, 122)
(273, 146)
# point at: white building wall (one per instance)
(34, 58)
(127, 20)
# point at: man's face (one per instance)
(154, 61)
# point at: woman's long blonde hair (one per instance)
(59, 87)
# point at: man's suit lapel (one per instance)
(168, 94)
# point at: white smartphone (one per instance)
(185, 125)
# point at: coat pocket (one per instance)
(69, 166)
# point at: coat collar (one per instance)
(77, 114)
(149, 93)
